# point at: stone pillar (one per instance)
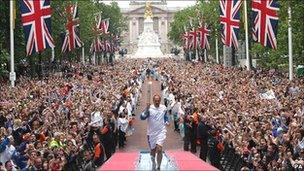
(160, 34)
(165, 26)
(241, 54)
(159, 31)
(130, 31)
(136, 29)
(227, 56)
(133, 34)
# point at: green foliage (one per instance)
(87, 12)
(267, 57)
(210, 13)
(278, 58)
(112, 11)
(181, 19)
(297, 30)
(4, 11)
(4, 55)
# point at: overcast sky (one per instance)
(171, 3)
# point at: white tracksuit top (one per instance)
(156, 119)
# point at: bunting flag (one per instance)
(113, 47)
(107, 46)
(186, 38)
(103, 25)
(203, 36)
(115, 43)
(97, 45)
(193, 39)
(230, 21)
(265, 24)
(36, 21)
(71, 40)
(116, 40)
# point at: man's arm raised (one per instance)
(166, 118)
(145, 114)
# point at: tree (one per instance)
(267, 57)
(278, 58)
(87, 12)
(180, 20)
(202, 12)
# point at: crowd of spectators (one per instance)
(68, 121)
(76, 120)
(258, 113)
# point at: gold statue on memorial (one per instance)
(148, 10)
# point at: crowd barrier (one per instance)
(230, 159)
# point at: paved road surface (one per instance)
(138, 141)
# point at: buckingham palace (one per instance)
(162, 17)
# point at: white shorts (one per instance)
(158, 139)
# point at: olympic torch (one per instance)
(149, 92)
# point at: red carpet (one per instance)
(188, 161)
(184, 161)
(121, 161)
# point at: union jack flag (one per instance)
(107, 46)
(204, 33)
(186, 37)
(112, 47)
(230, 21)
(116, 40)
(36, 21)
(97, 45)
(193, 36)
(265, 26)
(71, 40)
(115, 43)
(103, 25)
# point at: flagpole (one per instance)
(216, 48)
(94, 58)
(290, 44)
(205, 55)
(83, 61)
(53, 55)
(224, 56)
(246, 36)
(12, 62)
(196, 53)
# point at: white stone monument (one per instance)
(148, 43)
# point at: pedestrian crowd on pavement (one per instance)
(68, 121)
(241, 120)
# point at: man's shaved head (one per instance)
(156, 100)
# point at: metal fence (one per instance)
(230, 159)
